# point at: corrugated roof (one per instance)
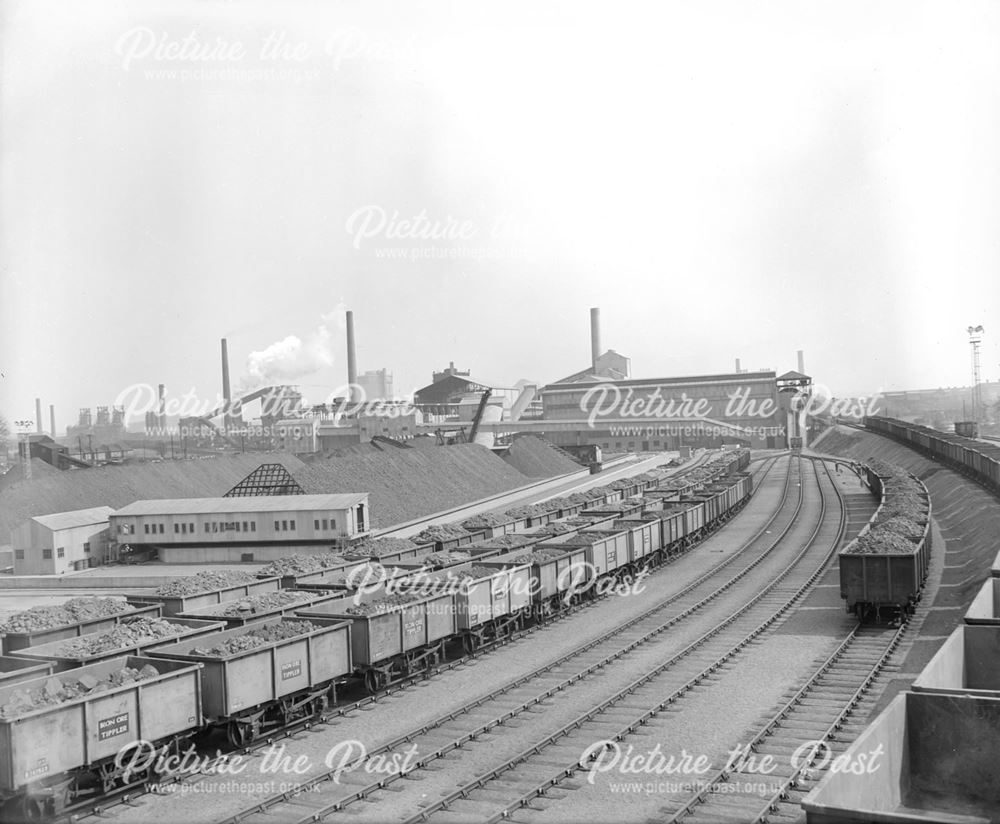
(259, 503)
(79, 517)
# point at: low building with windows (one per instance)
(61, 542)
(251, 529)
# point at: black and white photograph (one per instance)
(551, 412)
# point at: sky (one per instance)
(723, 179)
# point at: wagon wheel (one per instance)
(470, 643)
(319, 706)
(375, 680)
(239, 734)
(30, 808)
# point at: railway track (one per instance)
(530, 694)
(126, 797)
(499, 793)
(800, 738)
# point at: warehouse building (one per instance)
(62, 542)
(251, 529)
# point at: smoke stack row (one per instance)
(595, 336)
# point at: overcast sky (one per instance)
(724, 179)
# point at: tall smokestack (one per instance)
(226, 393)
(161, 409)
(38, 415)
(738, 370)
(802, 362)
(352, 362)
(595, 336)
(52, 420)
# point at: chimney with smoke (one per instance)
(595, 336)
(227, 396)
(38, 415)
(352, 363)
(802, 362)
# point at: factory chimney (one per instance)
(802, 362)
(352, 363)
(226, 393)
(161, 409)
(38, 415)
(52, 420)
(738, 370)
(595, 336)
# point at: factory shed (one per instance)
(61, 542)
(254, 528)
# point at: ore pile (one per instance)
(256, 604)
(207, 581)
(302, 564)
(256, 637)
(506, 541)
(442, 532)
(899, 523)
(377, 547)
(72, 611)
(129, 633)
(486, 519)
(62, 688)
(381, 604)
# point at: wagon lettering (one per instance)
(40, 768)
(293, 669)
(110, 727)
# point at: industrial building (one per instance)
(666, 413)
(261, 528)
(61, 542)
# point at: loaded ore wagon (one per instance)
(393, 635)
(266, 675)
(77, 616)
(882, 571)
(131, 637)
(60, 734)
(206, 589)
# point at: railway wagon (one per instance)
(394, 636)
(937, 763)
(875, 584)
(490, 526)
(62, 660)
(968, 663)
(492, 598)
(694, 518)
(38, 780)
(558, 574)
(607, 550)
(979, 460)
(645, 538)
(13, 668)
(985, 607)
(253, 690)
(672, 529)
(172, 605)
(232, 615)
(625, 509)
(14, 641)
